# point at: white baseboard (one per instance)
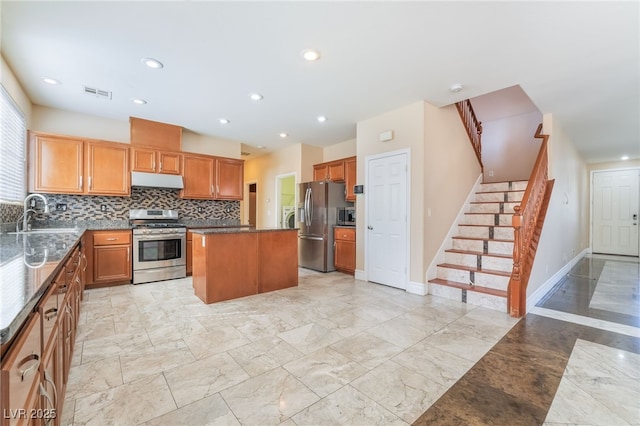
(548, 285)
(417, 288)
(360, 275)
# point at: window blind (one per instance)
(13, 137)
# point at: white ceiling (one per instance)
(579, 61)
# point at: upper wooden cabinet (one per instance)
(64, 165)
(343, 170)
(229, 179)
(155, 134)
(107, 169)
(55, 164)
(150, 160)
(333, 171)
(207, 177)
(350, 176)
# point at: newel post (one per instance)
(514, 292)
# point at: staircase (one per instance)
(478, 266)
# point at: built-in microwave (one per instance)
(346, 216)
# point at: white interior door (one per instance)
(616, 196)
(387, 220)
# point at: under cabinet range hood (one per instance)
(156, 180)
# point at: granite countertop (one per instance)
(28, 263)
(239, 229)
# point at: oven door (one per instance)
(158, 251)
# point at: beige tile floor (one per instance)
(333, 350)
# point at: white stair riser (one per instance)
(504, 186)
(483, 232)
(498, 247)
(481, 279)
(488, 262)
(492, 208)
(473, 298)
(499, 196)
(488, 219)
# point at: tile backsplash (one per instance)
(86, 207)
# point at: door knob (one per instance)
(370, 228)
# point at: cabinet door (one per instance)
(336, 171)
(55, 164)
(350, 177)
(320, 172)
(107, 169)
(345, 250)
(143, 160)
(198, 176)
(229, 179)
(111, 263)
(169, 163)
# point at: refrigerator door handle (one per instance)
(304, 237)
(310, 206)
(307, 202)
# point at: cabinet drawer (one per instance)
(20, 373)
(111, 238)
(345, 234)
(48, 310)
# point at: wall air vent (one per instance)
(245, 153)
(98, 93)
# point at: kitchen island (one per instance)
(236, 262)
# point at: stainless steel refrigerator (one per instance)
(317, 216)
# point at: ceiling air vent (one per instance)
(98, 93)
(245, 153)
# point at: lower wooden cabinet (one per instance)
(345, 249)
(109, 257)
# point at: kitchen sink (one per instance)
(47, 231)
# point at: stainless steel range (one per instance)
(159, 245)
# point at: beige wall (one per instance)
(509, 148)
(451, 170)
(407, 124)
(15, 90)
(566, 231)
(340, 150)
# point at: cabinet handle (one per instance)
(89, 183)
(153, 164)
(27, 371)
(112, 239)
(49, 314)
(71, 323)
(213, 191)
(161, 166)
(85, 261)
(80, 186)
(43, 392)
(47, 378)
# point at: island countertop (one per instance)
(238, 229)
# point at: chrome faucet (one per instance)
(25, 213)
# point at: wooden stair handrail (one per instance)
(528, 215)
(472, 126)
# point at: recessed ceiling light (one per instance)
(224, 121)
(310, 55)
(255, 96)
(138, 101)
(152, 63)
(322, 119)
(283, 135)
(51, 81)
(260, 147)
(624, 157)
(455, 88)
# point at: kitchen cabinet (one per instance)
(51, 366)
(212, 178)
(66, 165)
(107, 169)
(350, 176)
(55, 164)
(150, 160)
(333, 171)
(161, 136)
(345, 249)
(111, 257)
(20, 378)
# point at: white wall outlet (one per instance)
(490, 172)
(103, 207)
